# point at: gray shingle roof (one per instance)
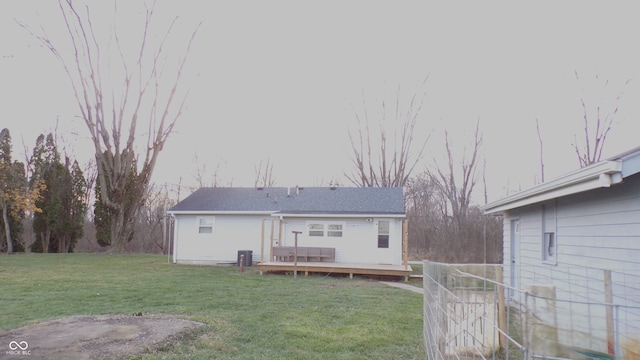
(316, 200)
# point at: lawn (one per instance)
(247, 316)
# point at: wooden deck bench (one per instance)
(305, 253)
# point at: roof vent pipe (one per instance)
(288, 191)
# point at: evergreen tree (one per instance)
(60, 222)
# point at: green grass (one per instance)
(247, 316)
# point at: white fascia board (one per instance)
(204, 212)
(284, 215)
(603, 174)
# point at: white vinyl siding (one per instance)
(354, 239)
(231, 233)
(599, 229)
(358, 243)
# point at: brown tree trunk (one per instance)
(7, 228)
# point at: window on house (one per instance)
(334, 230)
(383, 234)
(329, 229)
(316, 229)
(205, 225)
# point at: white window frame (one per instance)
(200, 226)
(326, 231)
(336, 232)
(314, 232)
(388, 234)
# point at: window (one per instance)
(334, 230)
(330, 229)
(316, 229)
(205, 225)
(383, 234)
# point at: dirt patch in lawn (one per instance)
(93, 337)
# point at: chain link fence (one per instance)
(469, 313)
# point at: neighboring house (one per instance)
(579, 235)
(362, 225)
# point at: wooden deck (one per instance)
(338, 268)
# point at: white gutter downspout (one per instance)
(175, 237)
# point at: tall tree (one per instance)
(112, 109)
(386, 159)
(457, 184)
(63, 206)
(46, 168)
(16, 197)
(73, 200)
(104, 216)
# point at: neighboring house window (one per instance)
(549, 234)
(383, 234)
(317, 229)
(205, 225)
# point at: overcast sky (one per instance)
(282, 80)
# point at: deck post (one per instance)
(405, 244)
(295, 254)
(262, 243)
(271, 240)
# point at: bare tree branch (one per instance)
(541, 155)
(397, 157)
(591, 149)
(457, 195)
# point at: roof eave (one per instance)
(339, 215)
(603, 174)
(217, 212)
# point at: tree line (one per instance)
(48, 190)
(46, 204)
(115, 88)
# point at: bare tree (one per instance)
(264, 177)
(391, 164)
(202, 175)
(111, 110)
(458, 191)
(590, 151)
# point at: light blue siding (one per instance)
(597, 230)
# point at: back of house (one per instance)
(362, 225)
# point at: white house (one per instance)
(360, 225)
(579, 235)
